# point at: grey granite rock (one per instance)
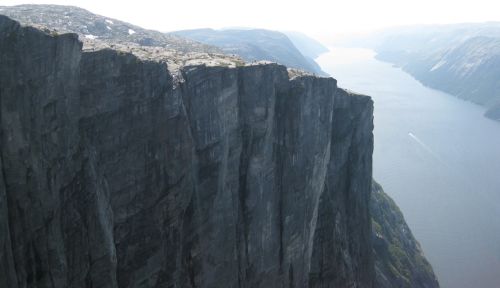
(39, 101)
(115, 174)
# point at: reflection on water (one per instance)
(439, 158)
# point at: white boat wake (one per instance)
(426, 148)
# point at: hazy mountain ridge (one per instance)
(257, 44)
(462, 60)
(308, 46)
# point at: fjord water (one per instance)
(439, 159)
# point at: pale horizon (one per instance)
(317, 19)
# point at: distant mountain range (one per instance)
(293, 49)
(462, 59)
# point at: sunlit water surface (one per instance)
(439, 158)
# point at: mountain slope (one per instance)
(255, 44)
(399, 260)
(462, 60)
(309, 47)
(91, 26)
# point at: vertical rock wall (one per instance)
(115, 176)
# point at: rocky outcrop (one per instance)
(116, 174)
(399, 260)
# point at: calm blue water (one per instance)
(439, 158)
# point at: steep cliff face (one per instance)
(113, 174)
(38, 104)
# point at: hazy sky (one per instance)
(317, 18)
